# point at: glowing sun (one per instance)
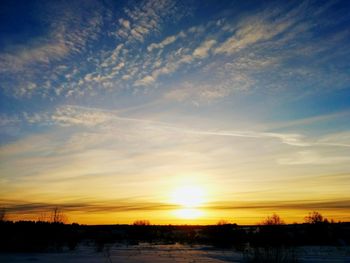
(190, 198)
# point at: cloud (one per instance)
(68, 33)
(341, 139)
(122, 205)
(36, 118)
(312, 157)
(72, 115)
(125, 23)
(243, 52)
(69, 115)
(203, 49)
(89, 206)
(262, 27)
(197, 93)
(224, 81)
(6, 120)
(113, 57)
(335, 204)
(9, 125)
(144, 19)
(69, 28)
(169, 67)
(289, 139)
(165, 42)
(145, 81)
(42, 53)
(311, 120)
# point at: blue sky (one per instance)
(112, 92)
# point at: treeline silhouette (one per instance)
(31, 236)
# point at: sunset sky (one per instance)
(178, 112)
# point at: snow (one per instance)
(166, 253)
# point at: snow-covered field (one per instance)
(165, 253)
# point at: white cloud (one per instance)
(196, 93)
(69, 29)
(144, 19)
(73, 115)
(36, 118)
(145, 81)
(64, 116)
(168, 68)
(166, 41)
(260, 27)
(250, 33)
(250, 45)
(203, 49)
(290, 139)
(38, 53)
(113, 57)
(125, 23)
(69, 32)
(224, 81)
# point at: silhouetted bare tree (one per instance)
(57, 216)
(315, 218)
(43, 217)
(273, 220)
(222, 222)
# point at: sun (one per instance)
(190, 198)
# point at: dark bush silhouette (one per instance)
(266, 241)
(142, 223)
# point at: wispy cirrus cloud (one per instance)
(310, 157)
(73, 115)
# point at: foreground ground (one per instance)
(168, 253)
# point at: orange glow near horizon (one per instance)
(188, 216)
(188, 198)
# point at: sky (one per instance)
(178, 112)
